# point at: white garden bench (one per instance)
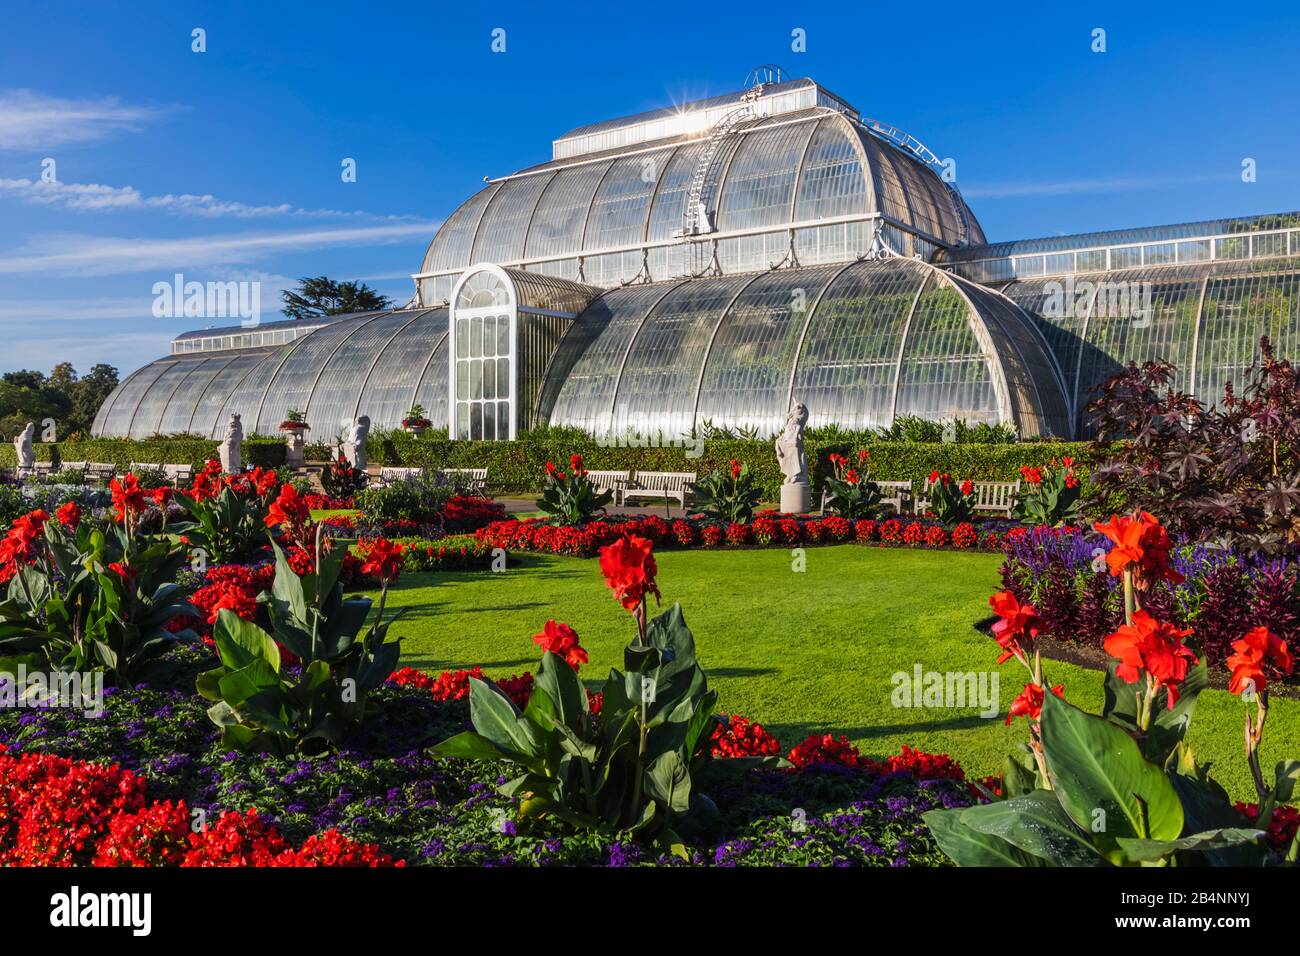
(73, 466)
(895, 493)
(145, 466)
(613, 481)
(100, 470)
(997, 497)
(473, 480)
(178, 473)
(661, 484)
(393, 476)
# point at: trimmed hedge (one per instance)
(518, 466)
(267, 452)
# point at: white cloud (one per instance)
(1071, 187)
(95, 197)
(127, 351)
(79, 254)
(37, 121)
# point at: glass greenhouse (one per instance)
(711, 264)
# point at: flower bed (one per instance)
(767, 529)
(382, 799)
(1221, 595)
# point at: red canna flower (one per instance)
(735, 468)
(863, 454)
(1257, 647)
(967, 487)
(19, 545)
(550, 468)
(1018, 626)
(562, 641)
(383, 560)
(1154, 648)
(290, 513)
(69, 514)
(575, 464)
(1029, 703)
(128, 497)
(1143, 543)
(629, 569)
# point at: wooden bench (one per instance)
(612, 481)
(996, 497)
(42, 469)
(393, 476)
(100, 470)
(473, 480)
(661, 484)
(145, 466)
(178, 473)
(73, 466)
(895, 493)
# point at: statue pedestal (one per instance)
(795, 498)
(294, 455)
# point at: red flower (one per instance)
(851, 476)
(967, 487)
(69, 514)
(825, 749)
(629, 569)
(1029, 703)
(1018, 626)
(739, 737)
(575, 463)
(161, 496)
(383, 561)
(123, 571)
(1142, 542)
(18, 546)
(735, 468)
(128, 497)
(1257, 647)
(550, 468)
(290, 513)
(1151, 647)
(562, 641)
(934, 477)
(863, 454)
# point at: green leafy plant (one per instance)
(420, 498)
(415, 418)
(229, 524)
(261, 703)
(571, 498)
(950, 502)
(850, 492)
(95, 598)
(341, 480)
(729, 496)
(635, 769)
(1050, 494)
(1122, 788)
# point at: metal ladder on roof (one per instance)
(694, 210)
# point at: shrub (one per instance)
(572, 498)
(1049, 495)
(421, 498)
(729, 496)
(851, 493)
(951, 502)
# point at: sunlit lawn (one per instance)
(799, 652)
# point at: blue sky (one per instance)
(225, 165)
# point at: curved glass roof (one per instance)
(771, 172)
(377, 364)
(859, 344)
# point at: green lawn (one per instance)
(798, 652)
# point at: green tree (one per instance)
(320, 296)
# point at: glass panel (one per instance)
(557, 224)
(501, 234)
(833, 182)
(451, 246)
(333, 404)
(1237, 312)
(618, 214)
(747, 379)
(489, 335)
(391, 386)
(760, 183)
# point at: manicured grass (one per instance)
(798, 652)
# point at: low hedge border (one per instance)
(266, 452)
(518, 466)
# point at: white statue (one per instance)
(23, 448)
(795, 497)
(354, 446)
(229, 450)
